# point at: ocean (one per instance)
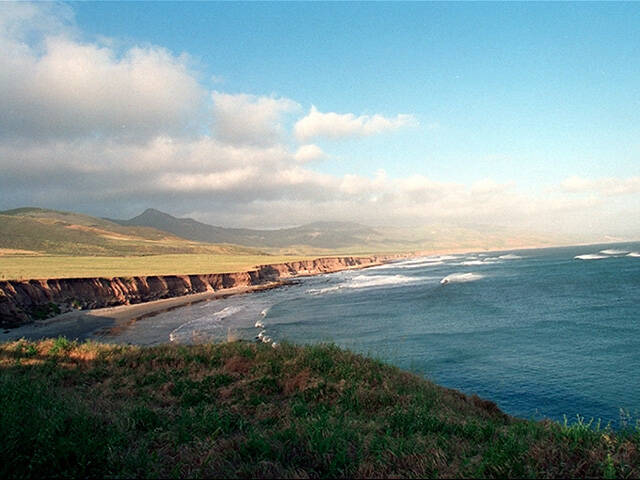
(544, 333)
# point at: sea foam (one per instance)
(590, 256)
(475, 262)
(633, 254)
(614, 251)
(430, 263)
(368, 281)
(510, 256)
(461, 278)
(211, 324)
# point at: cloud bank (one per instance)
(56, 86)
(87, 126)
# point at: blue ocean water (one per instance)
(543, 333)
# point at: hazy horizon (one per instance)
(272, 115)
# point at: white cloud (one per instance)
(605, 186)
(227, 180)
(52, 85)
(488, 186)
(248, 119)
(336, 125)
(308, 153)
(63, 145)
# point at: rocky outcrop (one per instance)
(23, 301)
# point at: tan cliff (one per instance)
(23, 301)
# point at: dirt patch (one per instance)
(103, 233)
(238, 364)
(298, 383)
(16, 251)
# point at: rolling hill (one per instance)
(345, 237)
(43, 231)
(319, 235)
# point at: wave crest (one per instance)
(368, 281)
(590, 256)
(203, 328)
(461, 278)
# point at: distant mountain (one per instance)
(38, 230)
(346, 237)
(319, 235)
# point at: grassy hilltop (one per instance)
(42, 231)
(42, 243)
(249, 410)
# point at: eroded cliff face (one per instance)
(23, 301)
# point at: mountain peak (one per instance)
(152, 213)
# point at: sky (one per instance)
(277, 114)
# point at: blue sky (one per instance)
(524, 115)
(524, 92)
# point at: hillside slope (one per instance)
(323, 235)
(251, 411)
(347, 237)
(37, 230)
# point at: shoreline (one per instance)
(85, 323)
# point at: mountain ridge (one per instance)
(326, 235)
(45, 231)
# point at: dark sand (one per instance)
(91, 324)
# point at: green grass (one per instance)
(14, 267)
(248, 410)
(62, 233)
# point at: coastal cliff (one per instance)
(23, 301)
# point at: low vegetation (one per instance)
(39, 231)
(18, 267)
(248, 410)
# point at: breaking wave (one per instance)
(204, 327)
(461, 278)
(614, 251)
(475, 262)
(590, 256)
(486, 261)
(417, 262)
(320, 291)
(510, 256)
(430, 263)
(445, 257)
(633, 254)
(367, 281)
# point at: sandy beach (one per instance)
(101, 323)
(93, 324)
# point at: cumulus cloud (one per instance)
(109, 131)
(606, 186)
(307, 153)
(337, 125)
(248, 119)
(53, 85)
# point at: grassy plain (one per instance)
(16, 267)
(50, 232)
(248, 410)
